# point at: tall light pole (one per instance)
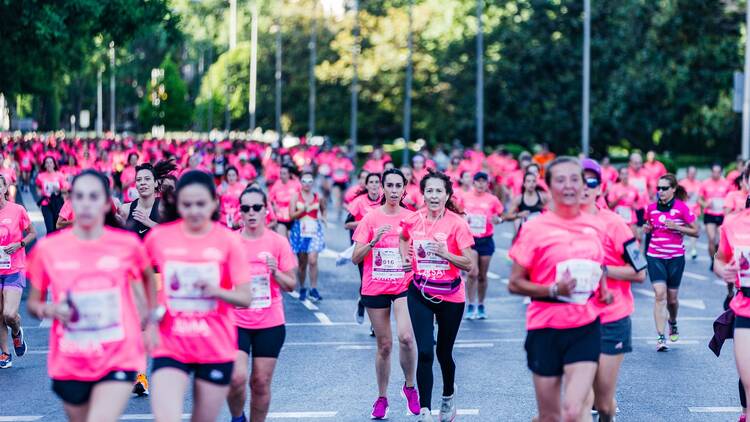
(355, 79)
(480, 75)
(253, 65)
(407, 89)
(311, 77)
(99, 100)
(586, 77)
(746, 91)
(232, 44)
(112, 87)
(278, 78)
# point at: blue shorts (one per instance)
(13, 281)
(485, 246)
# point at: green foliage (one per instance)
(173, 109)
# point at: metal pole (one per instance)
(210, 117)
(586, 77)
(253, 65)
(480, 76)
(232, 24)
(278, 78)
(355, 80)
(112, 87)
(313, 61)
(407, 90)
(99, 100)
(746, 91)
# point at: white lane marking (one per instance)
(323, 318)
(492, 276)
(328, 253)
(356, 347)
(461, 412)
(329, 322)
(45, 323)
(293, 294)
(35, 217)
(695, 276)
(473, 345)
(507, 235)
(678, 343)
(505, 281)
(309, 305)
(146, 417)
(720, 282)
(690, 303)
(20, 418)
(271, 415)
(715, 409)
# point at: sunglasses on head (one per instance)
(663, 188)
(592, 182)
(254, 207)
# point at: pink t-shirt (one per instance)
(230, 202)
(734, 244)
(451, 229)
(615, 236)
(548, 242)
(692, 187)
(13, 221)
(480, 210)
(735, 201)
(49, 183)
(281, 195)
(267, 307)
(713, 193)
(641, 181)
(383, 272)
(66, 212)
(197, 329)
(628, 201)
(666, 243)
(94, 276)
(341, 168)
(362, 205)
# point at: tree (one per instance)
(167, 103)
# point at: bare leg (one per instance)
(260, 388)
(407, 352)
(207, 400)
(673, 304)
(579, 378)
(605, 385)
(381, 323)
(484, 266)
(168, 387)
(302, 269)
(660, 306)
(108, 401)
(548, 398)
(238, 387)
(312, 264)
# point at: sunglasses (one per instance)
(254, 207)
(592, 183)
(663, 188)
(306, 181)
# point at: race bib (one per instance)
(586, 273)
(96, 317)
(386, 264)
(427, 261)
(477, 223)
(625, 212)
(742, 256)
(182, 281)
(308, 227)
(639, 184)
(50, 188)
(261, 288)
(717, 204)
(324, 169)
(4, 259)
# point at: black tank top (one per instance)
(136, 226)
(538, 207)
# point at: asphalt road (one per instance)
(326, 369)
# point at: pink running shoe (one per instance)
(380, 408)
(742, 418)
(412, 399)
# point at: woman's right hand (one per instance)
(566, 285)
(382, 230)
(729, 272)
(59, 311)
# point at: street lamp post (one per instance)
(355, 79)
(112, 87)
(407, 89)
(313, 61)
(586, 77)
(278, 79)
(746, 91)
(253, 65)
(99, 124)
(480, 75)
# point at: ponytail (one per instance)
(679, 191)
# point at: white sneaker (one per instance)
(425, 415)
(448, 408)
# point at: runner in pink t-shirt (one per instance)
(260, 327)
(205, 274)
(482, 210)
(667, 222)
(692, 186)
(436, 242)
(16, 231)
(98, 278)
(66, 217)
(367, 199)
(557, 261)
(624, 199)
(384, 286)
(712, 193)
(280, 195)
(229, 192)
(621, 273)
(50, 183)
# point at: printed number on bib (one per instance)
(386, 264)
(183, 281)
(625, 212)
(742, 257)
(586, 273)
(308, 227)
(477, 223)
(427, 261)
(4, 259)
(50, 187)
(261, 287)
(96, 317)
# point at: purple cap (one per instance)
(592, 165)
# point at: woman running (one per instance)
(384, 286)
(50, 184)
(621, 272)
(260, 328)
(280, 195)
(205, 274)
(307, 239)
(16, 231)
(557, 261)
(229, 192)
(667, 222)
(436, 243)
(483, 211)
(127, 179)
(623, 198)
(96, 345)
(712, 193)
(142, 214)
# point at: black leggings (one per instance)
(448, 316)
(51, 212)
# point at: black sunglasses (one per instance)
(592, 183)
(663, 188)
(255, 207)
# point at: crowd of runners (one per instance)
(158, 249)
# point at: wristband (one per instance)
(553, 290)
